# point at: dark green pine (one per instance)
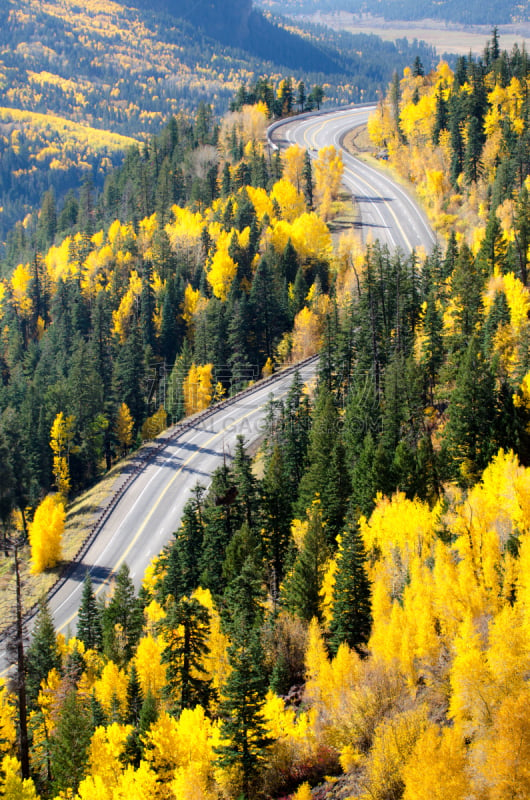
(123, 611)
(351, 610)
(303, 585)
(70, 741)
(89, 628)
(43, 653)
(185, 631)
(470, 435)
(243, 694)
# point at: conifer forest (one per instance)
(343, 610)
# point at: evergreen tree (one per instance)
(247, 499)
(89, 630)
(307, 175)
(70, 740)
(470, 434)
(351, 611)
(185, 630)
(277, 505)
(122, 619)
(303, 585)
(182, 563)
(243, 694)
(43, 653)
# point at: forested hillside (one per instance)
(451, 11)
(123, 70)
(356, 605)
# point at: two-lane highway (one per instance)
(145, 515)
(142, 516)
(387, 212)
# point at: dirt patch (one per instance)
(357, 142)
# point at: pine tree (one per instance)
(243, 694)
(89, 629)
(303, 585)
(182, 563)
(247, 498)
(277, 502)
(122, 619)
(470, 434)
(351, 620)
(70, 740)
(185, 630)
(42, 654)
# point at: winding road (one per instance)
(387, 212)
(150, 495)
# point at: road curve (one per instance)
(387, 212)
(147, 505)
(148, 502)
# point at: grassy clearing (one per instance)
(444, 38)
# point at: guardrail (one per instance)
(150, 452)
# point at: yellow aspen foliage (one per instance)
(250, 123)
(394, 743)
(306, 337)
(436, 769)
(293, 732)
(20, 280)
(8, 734)
(328, 169)
(380, 126)
(309, 236)
(119, 236)
(222, 272)
(153, 613)
(215, 664)
(123, 427)
(261, 201)
(303, 792)
(92, 273)
(188, 741)
(45, 534)
(147, 228)
(326, 592)
(298, 531)
(506, 750)
(508, 653)
(190, 783)
(111, 688)
(106, 750)
(137, 784)
(184, 233)
(472, 692)
(12, 785)
(318, 668)
(523, 586)
(197, 388)
(148, 660)
(293, 160)
(290, 200)
(505, 213)
(132, 784)
(417, 119)
(126, 311)
(268, 368)
(154, 424)
(61, 439)
(400, 526)
(189, 305)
